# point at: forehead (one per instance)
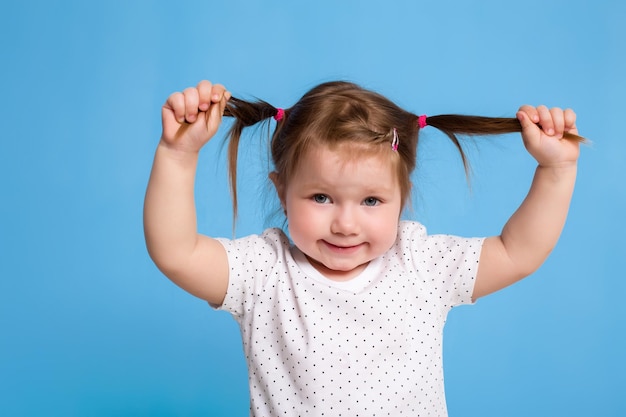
(345, 166)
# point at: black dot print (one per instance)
(369, 346)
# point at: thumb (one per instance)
(530, 130)
(169, 122)
(214, 115)
(525, 121)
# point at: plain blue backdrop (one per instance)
(88, 325)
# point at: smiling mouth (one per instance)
(342, 249)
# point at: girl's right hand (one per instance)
(192, 117)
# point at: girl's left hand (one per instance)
(542, 132)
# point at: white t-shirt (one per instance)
(371, 346)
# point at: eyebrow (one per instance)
(367, 190)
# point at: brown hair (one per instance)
(340, 112)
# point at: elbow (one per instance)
(168, 262)
(529, 264)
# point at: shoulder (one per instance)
(411, 231)
(414, 238)
(264, 250)
(253, 261)
(273, 238)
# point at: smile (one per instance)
(342, 249)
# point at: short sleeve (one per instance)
(447, 264)
(252, 261)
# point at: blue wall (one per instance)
(89, 327)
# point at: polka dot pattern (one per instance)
(371, 346)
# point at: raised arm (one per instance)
(533, 230)
(196, 263)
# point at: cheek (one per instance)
(386, 228)
(303, 233)
(301, 221)
(391, 232)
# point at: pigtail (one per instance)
(245, 114)
(453, 125)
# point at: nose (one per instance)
(345, 221)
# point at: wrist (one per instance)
(176, 153)
(558, 171)
(564, 165)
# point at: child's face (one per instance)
(342, 211)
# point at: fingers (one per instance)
(569, 120)
(192, 100)
(528, 117)
(176, 104)
(558, 121)
(210, 93)
(553, 122)
(531, 112)
(204, 95)
(216, 110)
(187, 105)
(545, 120)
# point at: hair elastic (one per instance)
(396, 140)
(280, 113)
(421, 121)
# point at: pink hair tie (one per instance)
(421, 121)
(280, 113)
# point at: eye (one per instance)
(371, 201)
(321, 199)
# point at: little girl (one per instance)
(345, 316)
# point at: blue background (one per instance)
(88, 325)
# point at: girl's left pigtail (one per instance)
(454, 125)
(478, 125)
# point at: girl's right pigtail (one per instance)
(245, 114)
